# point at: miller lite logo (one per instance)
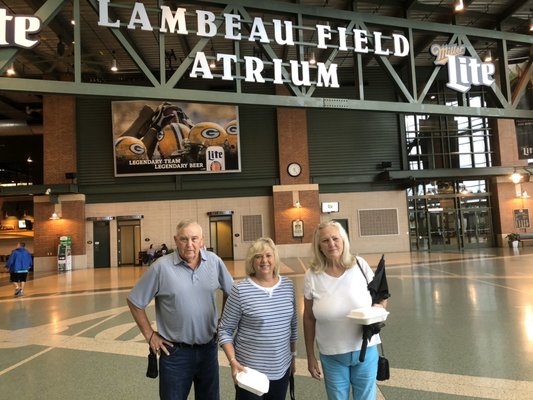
(215, 159)
(16, 31)
(463, 72)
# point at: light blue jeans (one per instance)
(344, 370)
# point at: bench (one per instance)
(524, 237)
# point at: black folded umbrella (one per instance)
(379, 287)
(379, 290)
(368, 332)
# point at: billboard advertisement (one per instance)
(151, 137)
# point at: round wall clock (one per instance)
(294, 169)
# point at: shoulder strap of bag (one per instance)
(381, 348)
(291, 386)
(361, 269)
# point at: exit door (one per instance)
(444, 230)
(101, 245)
(129, 242)
(221, 235)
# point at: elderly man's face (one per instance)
(189, 241)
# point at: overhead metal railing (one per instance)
(157, 84)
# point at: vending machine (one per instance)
(64, 256)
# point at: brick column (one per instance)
(285, 197)
(71, 209)
(59, 138)
(293, 147)
(59, 157)
(503, 191)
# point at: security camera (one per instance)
(48, 191)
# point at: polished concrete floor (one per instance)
(460, 327)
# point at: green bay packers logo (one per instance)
(130, 148)
(207, 134)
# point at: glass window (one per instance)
(448, 141)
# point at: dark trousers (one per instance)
(185, 366)
(277, 390)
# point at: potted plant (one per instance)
(513, 239)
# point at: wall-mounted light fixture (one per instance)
(488, 56)
(459, 5)
(56, 214)
(296, 199)
(516, 177)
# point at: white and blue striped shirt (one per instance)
(264, 322)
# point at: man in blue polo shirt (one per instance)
(184, 285)
(19, 263)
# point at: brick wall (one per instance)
(285, 212)
(59, 138)
(47, 231)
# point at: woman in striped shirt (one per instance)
(258, 328)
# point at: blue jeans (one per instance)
(343, 370)
(186, 365)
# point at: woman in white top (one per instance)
(262, 311)
(333, 286)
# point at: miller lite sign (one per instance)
(16, 31)
(215, 159)
(463, 72)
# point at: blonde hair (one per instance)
(258, 247)
(319, 262)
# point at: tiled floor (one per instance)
(460, 327)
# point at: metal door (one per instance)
(477, 228)
(129, 242)
(444, 230)
(221, 235)
(344, 224)
(101, 244)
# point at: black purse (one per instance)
(383, 366)
(152, 371)
(291, 387)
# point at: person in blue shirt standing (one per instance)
(258, 328)
(19, 263)
(184, 284)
